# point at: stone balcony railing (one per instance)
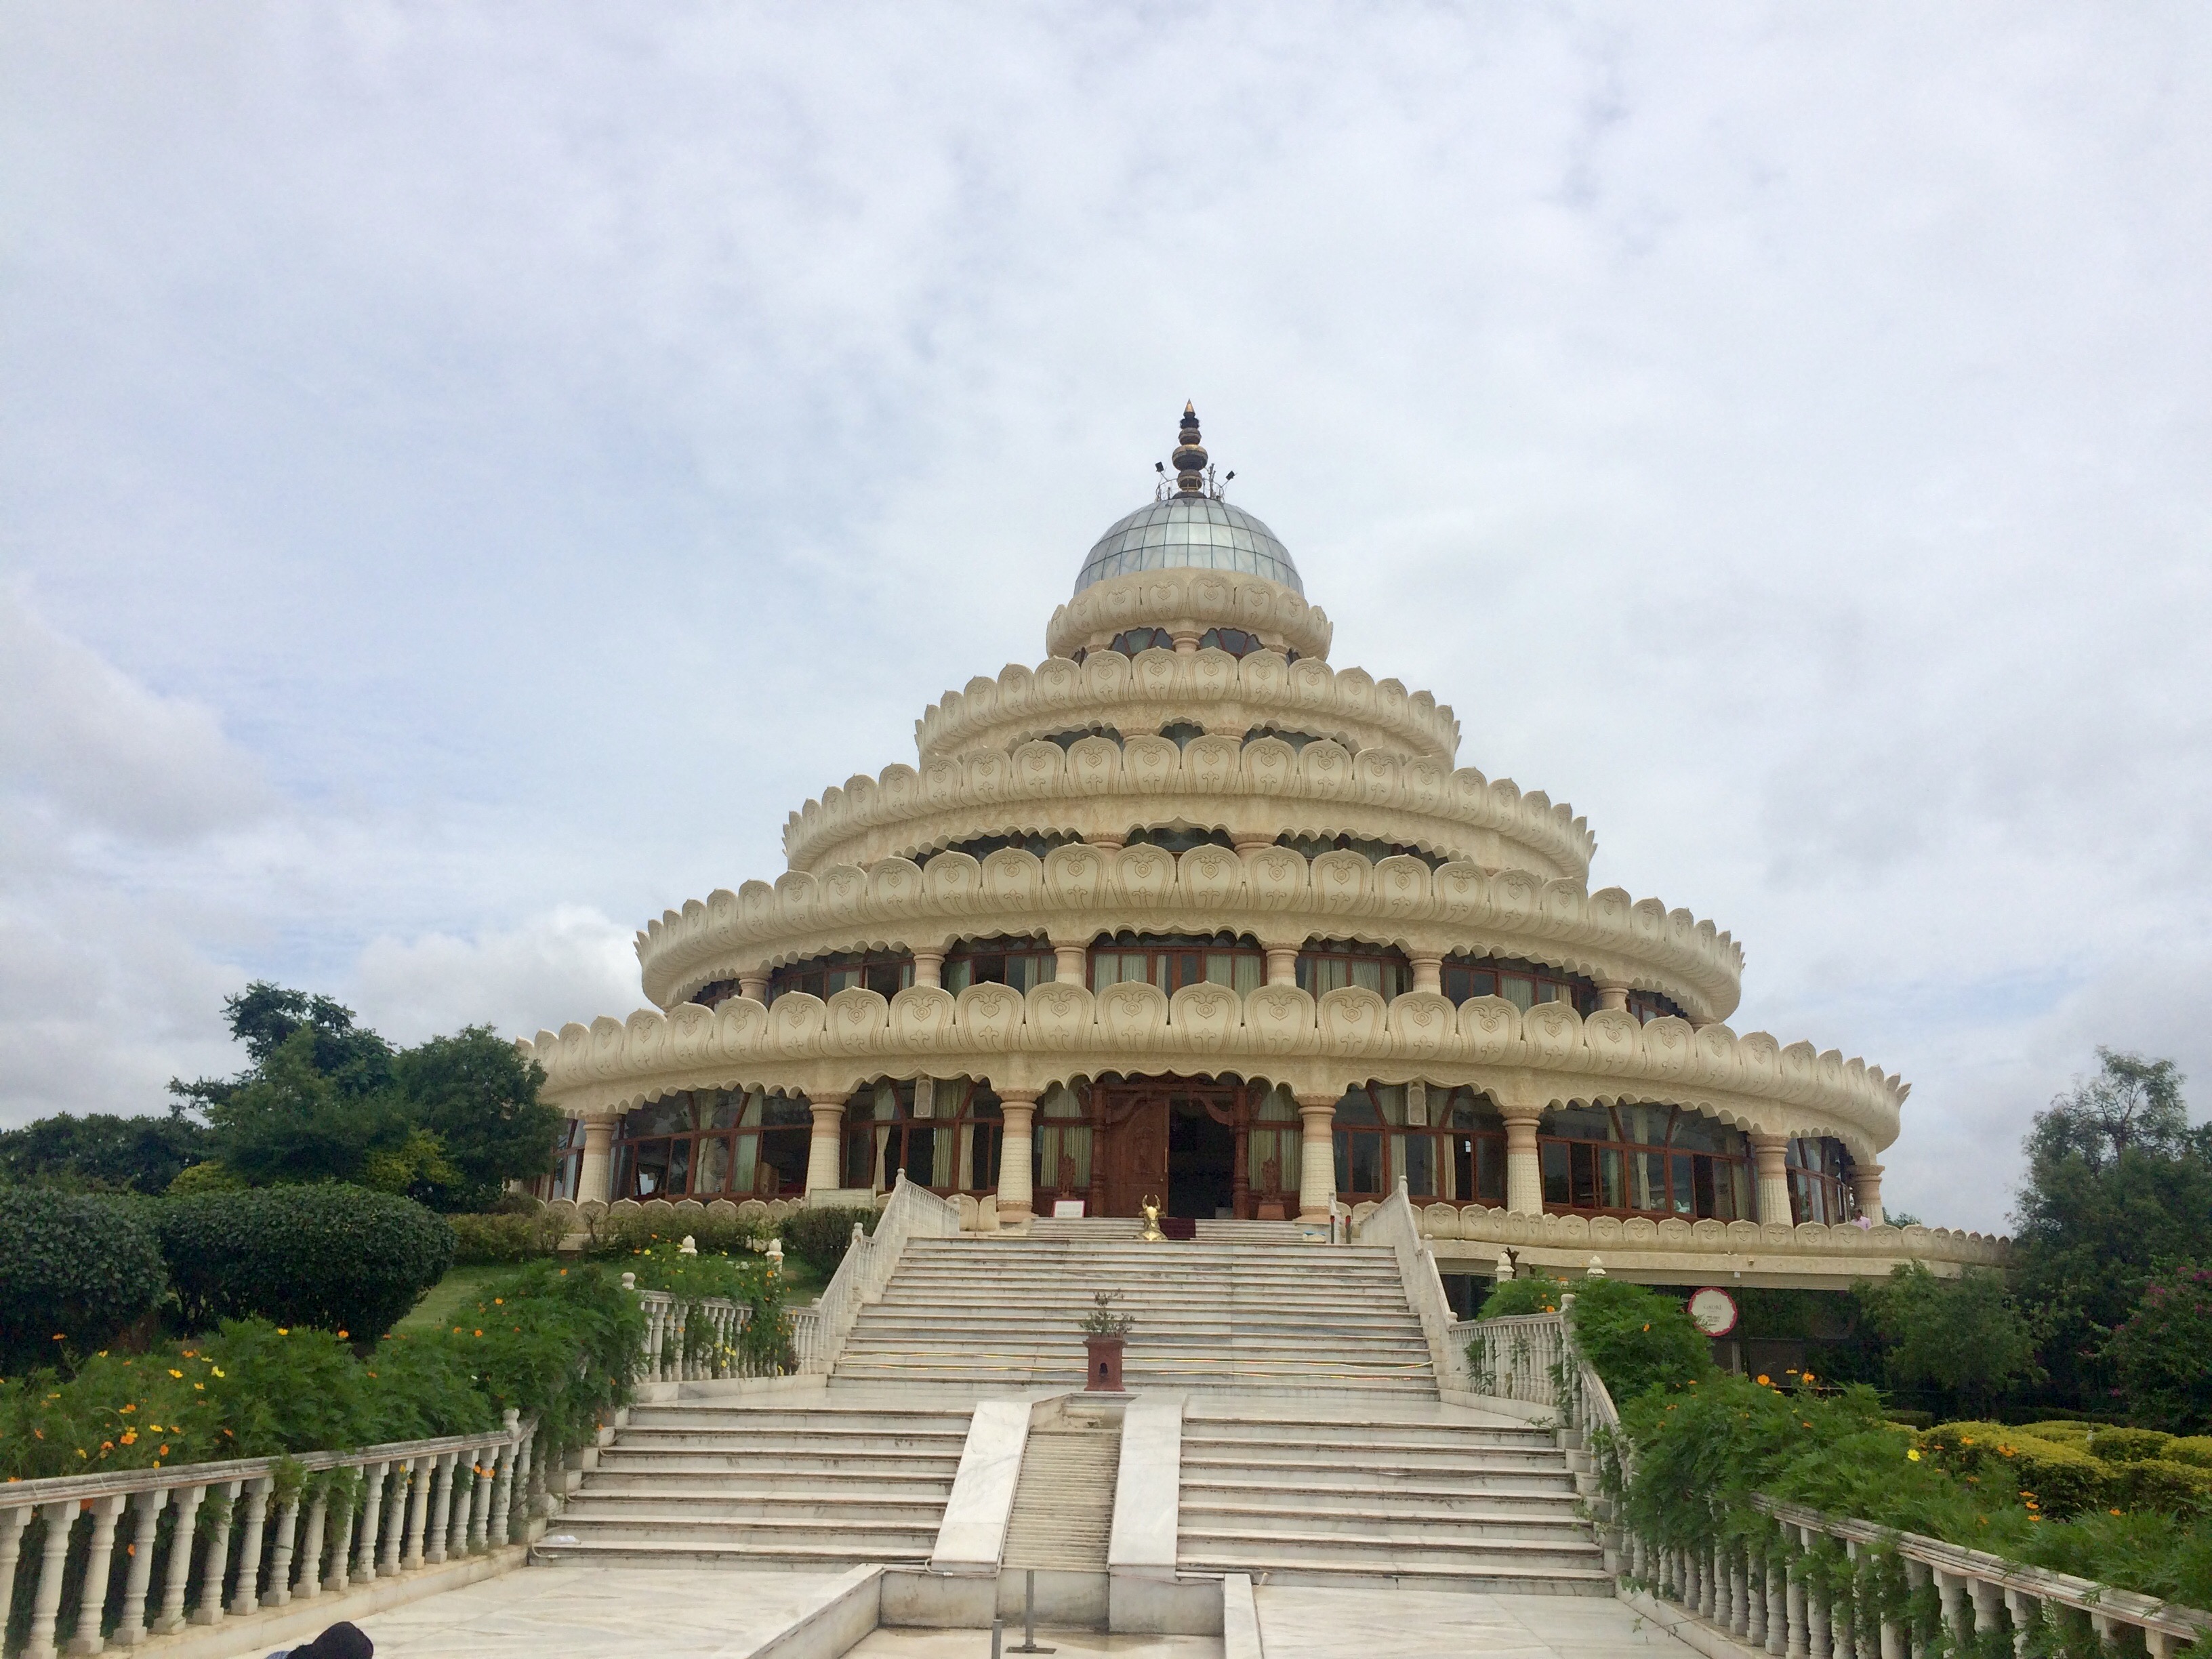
(252, 1533)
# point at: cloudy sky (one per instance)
(469, 471)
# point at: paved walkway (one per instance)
(641, 1613)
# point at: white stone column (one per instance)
(754, 985)
(1282, 964)
(1524, 1172)
(1770, 1155)
(1017, 1192)
(1316, 1157)
(1613, 996)
(1866, 1188)
(929, 966)
(1429, 974)
(1186, 641)
(828, 1130)
(1071, 963)
(594, 1177)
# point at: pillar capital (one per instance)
(1613, 996)
(1186, 641)
(1250, 842)
(928, 966)
(1866, 1190)
(1428, 973)
(754, 985)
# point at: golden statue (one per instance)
(1151, 1234)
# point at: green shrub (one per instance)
(2008, 1464)
(339, 1258)
(2128, 1445)
(485, 1240)
(2071, 1431)
(75, 1270)
(625, 1235)
(210, 1177)
(2194, 1449)
(2159, 1485)
(1910, 1419)
(559, 1344)
(1530, 1293)
(279, 1389)
(820, 1237)
(1639, 1340)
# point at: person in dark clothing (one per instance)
(340, 1641)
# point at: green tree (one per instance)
(289, 1121)
(2119, 1188)
(101, 1153)
(478, 1096)
(1962, 1337)
(265, 1017)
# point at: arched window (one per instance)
(1172, 961)
(886, 972)
(1820, 1182)
(1020, 962)
(1059, 1147)
(944, 1133)
(1326, 964)
(1643, 1160)
(567, 1165)
(1131, 640)
(714, 1143)
(1463, 1143)
(1234, 640)
(1524, 984)
(1272, 1152)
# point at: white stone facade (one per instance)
(1335, 957)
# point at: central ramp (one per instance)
(1246, 1306)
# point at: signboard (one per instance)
(1713, 1310)
(1067, 1209)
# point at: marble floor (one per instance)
(1297, 1623)
(598, 1613)
(625, 1612)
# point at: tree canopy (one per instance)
(98, 1153)
(2119, 1192)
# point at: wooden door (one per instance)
(1137, 1156)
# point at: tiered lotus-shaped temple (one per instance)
(1186, 912)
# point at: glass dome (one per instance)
(1190, 532)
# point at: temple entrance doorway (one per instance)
(1182, 1140)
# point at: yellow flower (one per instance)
(283, 1330)
(201, 1387)
(176, 1373)
(217, 1370)
(1913, 1455)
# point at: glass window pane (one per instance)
(679, 1167)
(1611, 1189)
(1420, 1170)
(958, 975)
(1553, 1154)
(1521, 992)
(713, 1175)
(1490, 1170)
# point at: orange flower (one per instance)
(1765, 1381)
(341, 1336)
(2113, 1511)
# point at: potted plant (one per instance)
(1105, 1332)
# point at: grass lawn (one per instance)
(457, 1290)
(461, 1286)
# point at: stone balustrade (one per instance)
(152, 1552)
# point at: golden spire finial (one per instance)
(1189, 457)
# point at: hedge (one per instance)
(820, 1237)
(512, 1237)
(75, 1271)
(2064, 1479)
(339, 1258)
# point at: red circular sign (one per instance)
(1713, 1310)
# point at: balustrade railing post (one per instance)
(2025, 1613)
(1819, 1631)
(348, 1495)
(1796, 1645)
(486, 1469)
(99, 1555)
(1916, 1580)
(1739, 1596)
(1755, 1584)
(1987, 1603)
(431, 1545)
(279, 1592)
(208, 1609)
(311, 1546)
(418, 1509)
(503, 1485)
(1842, 1623)
(372, 1479)
(185, 1506)
(60, 1518)
(247, 1597)
(1709, 1596)
(1777, 1605)
(1951, 1590)
(131, 1621)
(12, 1523)
(395, 1519)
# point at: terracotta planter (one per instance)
(1105, 1364)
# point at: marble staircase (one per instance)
(827, 1483)
(1246, 1306)
(1436, 1497)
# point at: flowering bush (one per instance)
(2162, 1353)
(558, 1344)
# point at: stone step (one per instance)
(1199, 1425)
(1413, 1497)
(1289, 1469)
(1500, 1579)
(1394, 1548)
(626, 1504)
(1319, 1443)
(714, 1479)
(708, 1455)
(794, 1443)
(1375, 1512)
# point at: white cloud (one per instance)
(545, 456)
